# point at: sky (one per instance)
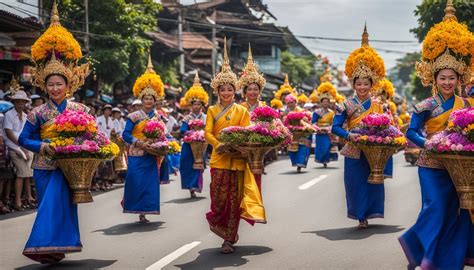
(386, 20)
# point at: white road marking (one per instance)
(173, 256)
(313, 182)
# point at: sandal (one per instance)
(143, 219)
(363, 224)
(193, 194)
(227, 248)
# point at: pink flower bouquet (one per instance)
(377, 130)
(78, 137)
(154, 129)
(196, 124)
(458, 138)
(194, 136)
(295, 118)
(264, 114)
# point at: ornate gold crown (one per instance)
(448, 45)
(250, 74)
(303, 98)
(226, 76)
(196, 92)
(149, 83)
(285, 89)
(385, 87)
(326, 90)
(44, 47)
(15, 85)
(364, 62)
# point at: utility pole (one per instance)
(180, 40)
(86, 39)
(214, 43)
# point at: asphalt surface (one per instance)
(307, 228)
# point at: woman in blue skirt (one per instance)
(142, 189)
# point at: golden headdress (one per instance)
(196, 92)
(276, 103)
(448, 44)
(226, 76)
(57, 52)
(314, 97)
(250, 73)
(285, 89)
(385, 87)
(303, 98)
(340, 98)
(326, 90)
(15, 86)
(149, 83)
(365, 63)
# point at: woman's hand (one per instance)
(353, 137)
(48, 149)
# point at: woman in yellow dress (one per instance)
(234, 193)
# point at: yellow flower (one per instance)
(60, 40)
(327, 87)
(149, 80)
(276, 103)
(196, 93)
(368, 57)
(451, 35)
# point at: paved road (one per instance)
(307, 228)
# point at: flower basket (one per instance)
(377, 156)
(120, 162)
(198, 149)
(254, 154)
(297, 137)
(461, 170)
(79, 173)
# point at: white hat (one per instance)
(116, 109)
(136, 102)
(35, 96)
(20, 95)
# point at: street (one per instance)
(307, 228)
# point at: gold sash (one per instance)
(137, 131)
(326, 120)
(440, 122)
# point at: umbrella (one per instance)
(5, 106)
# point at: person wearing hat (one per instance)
(195, 98)
(137, 105)
(117, 116)
(234, 192)
(110, 127)
(22, 159)
(36, 100)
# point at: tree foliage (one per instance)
(117, 28)
(298, 68)
(430, 12)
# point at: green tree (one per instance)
(430, 12)
(117, 28)
(298, 68)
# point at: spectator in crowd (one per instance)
(14, 122)
(136, 105)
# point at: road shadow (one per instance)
(353, 233)
(293, 172)
(71, 264)
(327, 168)
(212, 258)
(128, 228)
(186, 200)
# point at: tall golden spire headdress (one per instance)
(149, 83)
(196, 92)
(364, 62)
(226, 75)
(57, 52)
(447, 45)
(285, 89)
(250, 73)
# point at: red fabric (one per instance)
(224, 217)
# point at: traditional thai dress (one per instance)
(142, 190)
(234, 192)
(191, 179)
(250, 108)
(364, 200)
(443, 235)
(300, 157)
(56, 227)
(325, 151)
